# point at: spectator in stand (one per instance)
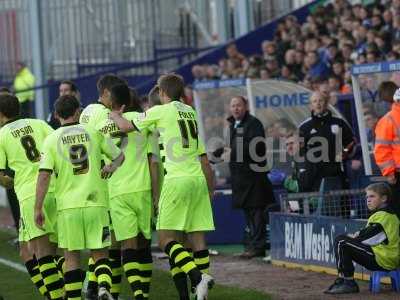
(334, 54)
(371, 119)
(23, 83)
(338, 68)
(212, 72)
(396, 28)
(273, 68)
(334, 37)
(269, 50)
(317, 68)
(286, 74)
(264, 74)
(223, 69)
(392, 56)
(234, 56)
(335, 84)
(198, 73)
(386, 91)
(293, 65)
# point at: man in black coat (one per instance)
(327, 141)
(66, 87)
(251, 188)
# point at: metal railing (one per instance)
(340, 203)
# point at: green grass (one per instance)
(16, 285)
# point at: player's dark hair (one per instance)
(106, 82)
(135, 101)
(154, 96)
(5, 89)
(71, 84)
(386, 91)
(382, 189)
(172, 85)
(120, 95)
(9, 105)
(66, 106)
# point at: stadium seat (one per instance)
(375, 280)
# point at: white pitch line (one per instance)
(13, 265)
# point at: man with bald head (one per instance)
(326, 141)
(251, 188)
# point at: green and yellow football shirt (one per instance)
(133, 175)
(21, 143)
(93, 114)
(176, 123)
(74, 152)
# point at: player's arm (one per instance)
(115, 154)
(42, 187)
(208, 173)
(43, 181)
(109, 169)
(123, 124)
(155, 178)
(142, 121)
(5, 180)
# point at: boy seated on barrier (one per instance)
(376, 247)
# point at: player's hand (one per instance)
(7, 182)
(155, 209)
(107, 171)
(391, 179)
(117, 112)
(39, 218)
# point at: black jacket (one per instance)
(53, 121)
(337, 134)
(251, 187)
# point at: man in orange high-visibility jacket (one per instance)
(387, 147)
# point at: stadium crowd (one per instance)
(320, 52)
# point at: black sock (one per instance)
(116, 269)
(185, 262)
(202, 260)
(73, 284)
(102, 270)
(51, 277)
(145, 270)
(37, 279)
(92, 280)
(180, 280)
(130, 261)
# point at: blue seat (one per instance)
(375, 280)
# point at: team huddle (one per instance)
(99, 181)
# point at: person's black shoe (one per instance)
(337, 281)
(343, 286)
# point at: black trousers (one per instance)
(256, 221)
(347, 250)
(396, 194)
(14, 206)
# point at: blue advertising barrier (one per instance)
(229, 222)
(307, 242)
